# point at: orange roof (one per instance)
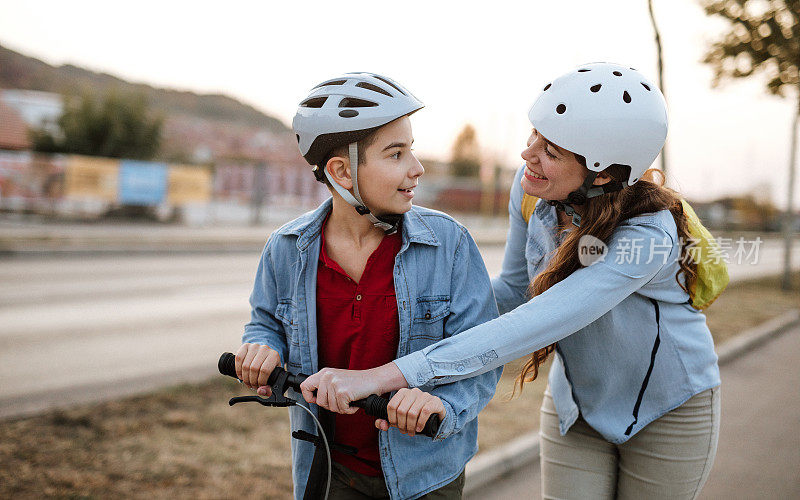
(13, 129)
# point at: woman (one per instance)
(632, 408)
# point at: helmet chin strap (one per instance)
(388, 223)
(580, 196)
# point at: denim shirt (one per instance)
(442, 288)
(630, 347)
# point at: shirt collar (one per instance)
(307, 227)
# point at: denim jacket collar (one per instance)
(307, 227)
(543, 230)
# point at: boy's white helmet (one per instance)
(342, 111)
(346, 109)
(607, 113)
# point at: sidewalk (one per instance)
(31, 238)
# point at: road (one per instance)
(759, 447)
(76, 329)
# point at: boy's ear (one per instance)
(339, 168)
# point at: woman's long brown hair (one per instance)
(601, 217)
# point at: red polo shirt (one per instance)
(357, 329)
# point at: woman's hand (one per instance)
(336, 388)
(409, 411)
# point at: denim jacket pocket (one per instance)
(428, 323)
(284, 311)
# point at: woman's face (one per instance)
(551, 173)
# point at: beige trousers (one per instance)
(670, 458)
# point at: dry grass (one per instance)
(177, 443)
(187, 442)
(745, 305)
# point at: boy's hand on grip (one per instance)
(410, 409)
(254, 364)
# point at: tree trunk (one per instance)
(788, 222)
(660, 76)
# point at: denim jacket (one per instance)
(442, 288)
(630, 347)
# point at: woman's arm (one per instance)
(563, 309)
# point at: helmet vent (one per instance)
(595, 88)
(560, 109)
(352, 102)
(384, 80)
(645, 86)
(626, 97)
(314, 102)
(374, 88)
(332, 82)
(298, 138)
(597, 164)
(584, 70)
(547, 86)
(348, 113)
(617, 73)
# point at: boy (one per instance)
(362, 280)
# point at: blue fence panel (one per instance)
(142, 182)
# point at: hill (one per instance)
(23, 72)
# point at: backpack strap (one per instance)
(528, 204)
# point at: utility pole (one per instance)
(259, 193)
(660, 77)
(789, 217)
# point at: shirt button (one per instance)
(358, 297)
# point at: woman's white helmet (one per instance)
(607, 113)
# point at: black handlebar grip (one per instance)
(377, 406)
(373, 405)
(227, 366)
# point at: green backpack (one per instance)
(712, 272)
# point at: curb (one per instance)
(147, 244)
(524, 450)
(20, 240)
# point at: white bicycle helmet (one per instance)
(607, 113)
(342, 111)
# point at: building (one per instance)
(13, 129)
(37, 109)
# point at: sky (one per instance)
(482, 63)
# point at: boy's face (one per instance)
(390, 171)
